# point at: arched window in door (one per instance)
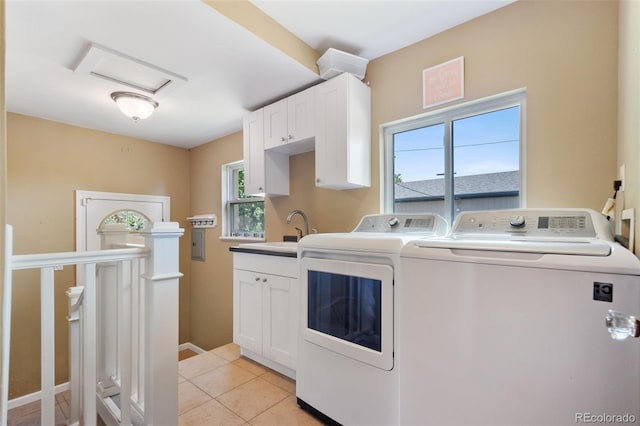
(134, 220)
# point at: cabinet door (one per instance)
(275, 124)
(331, 133)
(343, 133)
(279, 331)
(266, 173)
(253, 147)
(300, 115)
(247, 309)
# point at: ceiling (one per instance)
(228, 69)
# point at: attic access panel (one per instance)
(108, 64)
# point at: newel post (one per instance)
(161, 277)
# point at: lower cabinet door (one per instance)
(279, 331)
(247, 309)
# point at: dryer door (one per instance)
(348, 309)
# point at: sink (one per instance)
(278, 246)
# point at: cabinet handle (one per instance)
(282, 139)
(260, 188)
(257, 278)
(290, 137)
(264, 280)
(318, 180)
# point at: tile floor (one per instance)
(218, 387)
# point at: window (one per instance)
(243, 215)
(134, 220)
(462, 158)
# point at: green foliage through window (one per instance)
(134, 221)
(246, 212)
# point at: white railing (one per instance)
(123, 329)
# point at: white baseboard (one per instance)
(32, 397)
(37, 396)
(192, 347)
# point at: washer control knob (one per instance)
(517, 221)
(393, 222)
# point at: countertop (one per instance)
(280, 248)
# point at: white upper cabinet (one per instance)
(343, 133)
(275, 124)
(289, 122)
(300, 115)
(253, 150)
(264, 172)
(334, 118)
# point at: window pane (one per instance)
(419, 170)
(486, 161)
(247, 219)
(133, 220)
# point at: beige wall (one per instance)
(47, 162)
(564, 53)
(211, 281)
(629, 103)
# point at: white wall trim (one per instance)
(36, 396)
(192, 347)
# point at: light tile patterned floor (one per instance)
(218, 387)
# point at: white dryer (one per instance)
(503, 322)
(346, 371)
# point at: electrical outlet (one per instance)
(621, 177)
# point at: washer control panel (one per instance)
(404, 223)
(535, 223)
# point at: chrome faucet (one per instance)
(304, 218)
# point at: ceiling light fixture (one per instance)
(134, 105)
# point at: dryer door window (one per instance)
(348, 309)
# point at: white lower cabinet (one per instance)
(265, 309)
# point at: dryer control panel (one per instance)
(403, 223)
(532, 224)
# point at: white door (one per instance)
(92, 208)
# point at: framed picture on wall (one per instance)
(443, 83)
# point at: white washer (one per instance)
(503, 322)
(346, 370)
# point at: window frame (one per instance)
(448, 115)
(228, 200)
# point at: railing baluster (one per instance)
(124, 337)
(141, 335)
(75, 364)
(48, 347)
(89, 374)
(135, 336)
